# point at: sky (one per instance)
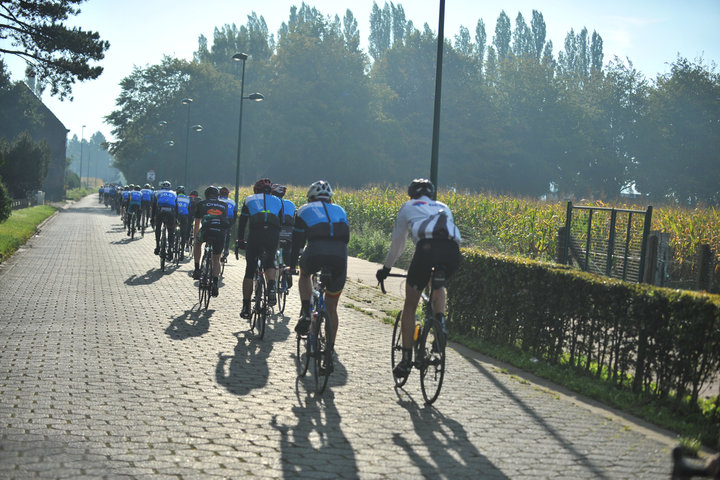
(651, 33)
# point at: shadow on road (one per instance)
(247, 369)
(580, 458)
(315, 435)
(192, 323)
(146, 278)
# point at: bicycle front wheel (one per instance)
(432, 365)
(282, 291)
(163, 249)
(320, 350)
(260, 307)
(302, 354)
(396, 351)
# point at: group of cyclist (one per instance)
(313, 237)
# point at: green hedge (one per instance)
(656, 341)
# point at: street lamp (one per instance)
(187, 101)
(82, 140)
(256, 97)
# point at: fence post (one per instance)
(651, 263)
(704, 263)
(643, 249)
(611, 243)
(568, 219)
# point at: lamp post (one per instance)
(187, 101)
(82, 140)
(438, 92)
(256, 97)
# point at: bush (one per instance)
(5, 202)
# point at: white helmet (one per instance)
(320, 190)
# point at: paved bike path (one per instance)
(107, 369)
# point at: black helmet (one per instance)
(224, 192)
(212, 192)
(194, 193)
(420, 187)
(180, 189)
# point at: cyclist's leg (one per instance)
(158, 231)
(251, 256)
(197, 252)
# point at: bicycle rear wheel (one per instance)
(319, 351)
(205, 284)
(396, 351)
(260, 307)
(432, 365)
(282, 291)
(163, 248)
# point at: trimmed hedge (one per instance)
(656, 341)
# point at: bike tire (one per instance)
(206, 280)
(163, 248)
(319, 352)
(259, 307)
(396, 351)
(302, 354)
(282, 292)
(432, 365)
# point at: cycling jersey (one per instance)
(125, 195)
(231, 207)
(320, 222)
(424, 219)
(260, 209)
(135, 198)
(212, 213)
(288, 213)
(166, 198)
(183, 204)
(147, 195)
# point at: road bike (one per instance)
(429, 341)
(259, 302)
(163, 246)
(313, 346)
(176, 250)
(132, 225)
(205, 282)
(284, 280)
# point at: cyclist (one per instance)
(287, 220)
(261, 211)
(165, 210)
(147, 196)
(134, 205)
(212, 214)
(325, 227)
(437, 239)
(183, 204)
(224, 192)
(124, 205)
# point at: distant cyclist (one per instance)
(165, 211)
(224, 192)
(147, 196)
(183, 204)
(134, 206)
(437, 239)
(261, 212)
(324, 226)
(124, 204)
(211, 224)
(287, 220)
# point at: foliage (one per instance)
(5, 202)
(25, 164)
(21, 225)
(56, 54)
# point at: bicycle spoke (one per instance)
(432, 369)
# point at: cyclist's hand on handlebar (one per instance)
(382, 274)
(292, 270)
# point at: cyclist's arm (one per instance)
(399, 239)
(298, 241)
(244, 216)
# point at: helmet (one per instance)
(194, 193)
(147, 185)
(211, 192)
(420, 187)
(279, 190)
(165, 184)
(320, 190)
(224, 192)
(137, 188)
(180, 189)
(264, 185)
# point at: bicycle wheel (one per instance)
(319, 352)
(432, 365)
(176, 249)
(163, 248)
(282, 291)
(260, 307)
(302, 354)
(132, 226)
(142, 223)
(396, 351)
(205, 285)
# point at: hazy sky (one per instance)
(651, 33)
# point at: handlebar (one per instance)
(382, 282)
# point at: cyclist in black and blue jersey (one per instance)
(261, 212)
(437, 239)
(224, 192)
(211, 215)
(134, 205)
(325, 228)
(164, 211)
(147, 196)
(124, 204)
(287, 220)
(183, 204)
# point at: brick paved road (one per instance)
(108, 370)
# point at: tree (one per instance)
(502, 36)
(56, 54)
(25, 164)
(538, 29)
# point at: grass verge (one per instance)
(21, 225)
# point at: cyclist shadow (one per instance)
(446, 442)
(247, 369)
(316, 430)
(123, 241)
(147, 278)
(192, 323)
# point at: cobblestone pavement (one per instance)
(107, 369)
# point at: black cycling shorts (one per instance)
(214, 236)
(167, 216)
(262, 243)
(330, 255)
(432, 253)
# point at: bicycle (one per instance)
(283, 282)
(686, 469)
(131, 225)
(429, 341)
(205, 282)
(176, 247)
(163, 247)
(259, 302)
(314, 343)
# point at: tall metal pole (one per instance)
(242, 57)
(82, 141)
(438, 90)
